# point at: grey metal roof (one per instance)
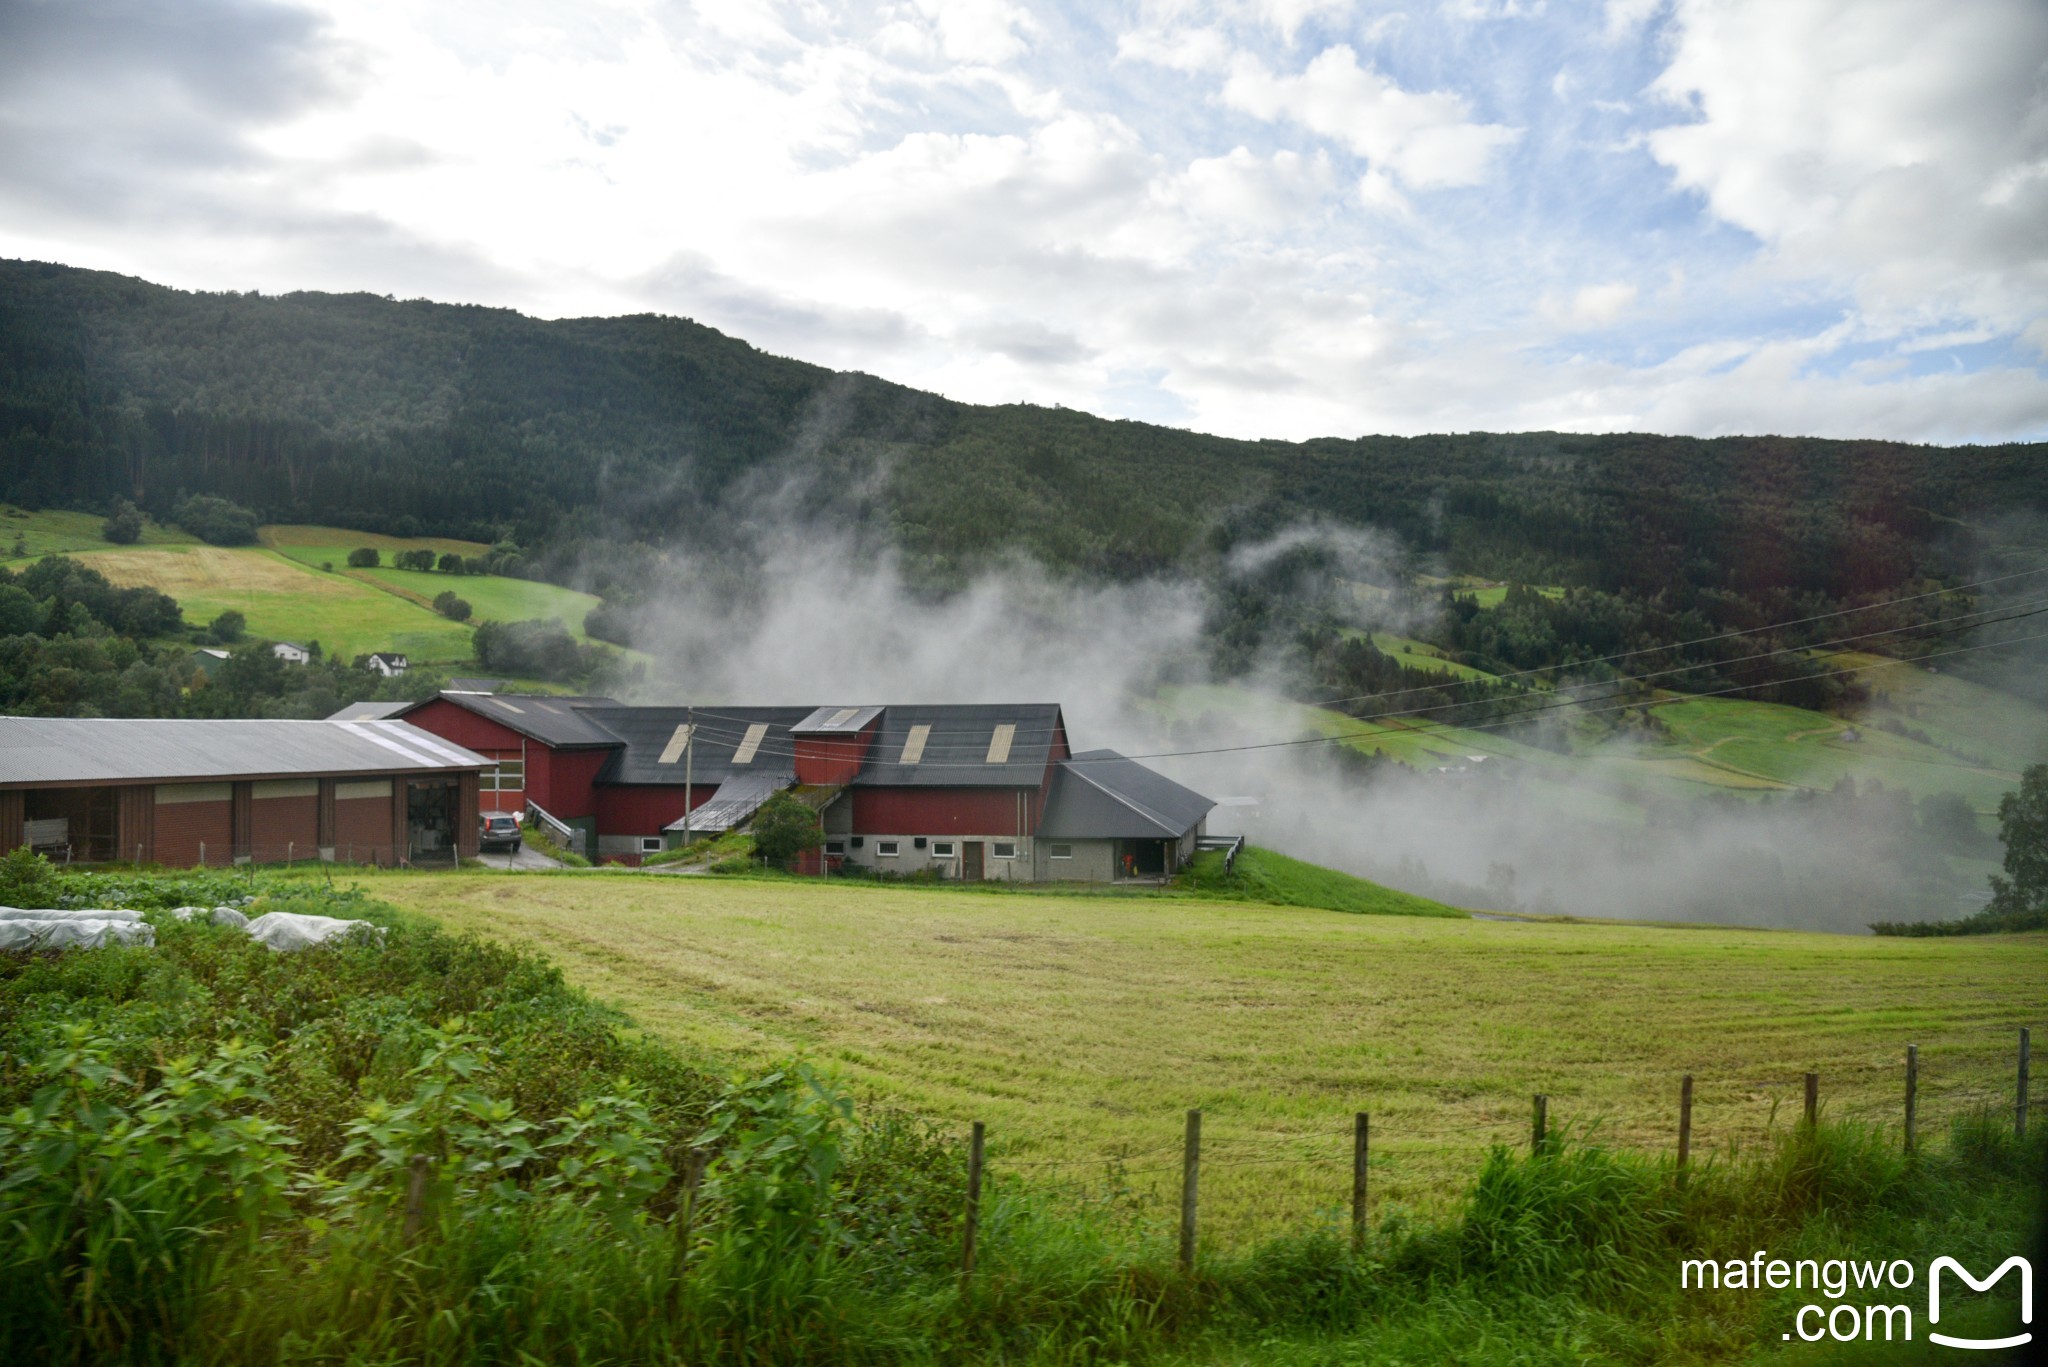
(649, 733)
(370, 711)
(1100, 795)
(556, 720)
(956, 748)
(836, 721)
(736, 799)
(70, 750)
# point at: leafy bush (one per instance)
(227, 628)
(534, 649)
(421, 560)
(123, 526)
(784, 828)
(449, 606)
(365, 558)
(451, 563)
(216, 521)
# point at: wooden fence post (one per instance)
(1539, 1123)
(972, 1223)
(1190, 1177)
(1360, 1138)
(416, 1197)
(1684, 1126)
(1812, 1100)
(1912, 1097)
(686, 1217)
(2019, 1114)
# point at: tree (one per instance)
(449, 606)
(2023, 826)
(365, 558)
(123, 526)
(783, 829)
(451, 563)
(216, 521)
(228, 627)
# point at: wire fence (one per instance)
(1297, 1173)
(215, 854)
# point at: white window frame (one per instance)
(835, 847)
(1060, 851)
(888, 849)
(944, 849)
(651, 844)
(996, 848)
(492, 780)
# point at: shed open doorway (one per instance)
(73, 825)
(1141, 858)
(431, 809)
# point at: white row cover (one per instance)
(62, 929)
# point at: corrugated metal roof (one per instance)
(736, 800)
(650, 755)
(370, 711)
(556, 720)
(836, 721)
(959, 747)
(1100, 795)
(53, 750)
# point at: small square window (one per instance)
(1060, 851)
(917, 842)
(650, 844)
(835, 847)
(1003, 849)
(887, 849)
(859, 841)
(942, 849)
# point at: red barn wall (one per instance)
(834, 760)
(644, 809)
(941, 811)
(284, 818)
(362, 820)
(564, 782)
(191, 815)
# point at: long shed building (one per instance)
(220, 792)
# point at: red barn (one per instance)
(545, 751)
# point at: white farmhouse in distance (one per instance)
(291, 652)
(389, 663)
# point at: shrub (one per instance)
(451, 563)
(365, 558)
(227, 628)
(783, 829)
(534, 649)
(216, 521)
(451, 607)
(123, 526)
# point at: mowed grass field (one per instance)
(1082, 1027)
(284, 589)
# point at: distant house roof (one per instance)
(729, 741)
(1101, 795)
(973, 745)
(390, 657)
(214, 651)
(370, 711)
(286, 645)
(38, 751)
(560, 721)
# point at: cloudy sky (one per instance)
(1259, 217)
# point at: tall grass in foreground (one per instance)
(433, 1151)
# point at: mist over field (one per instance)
(788, 614)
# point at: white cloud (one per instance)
(978, 30)
(1885, 144)
(1624, 18)
(1427, 140)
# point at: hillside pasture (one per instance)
(1081, 1028)
(58, 532)
(493, 598)
(285, 600)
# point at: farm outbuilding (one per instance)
(966, 791)
(221, 792)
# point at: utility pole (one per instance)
(689, 758)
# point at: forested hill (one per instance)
(413, 416)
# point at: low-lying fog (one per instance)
(806, 616)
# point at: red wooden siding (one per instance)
(464, 727)
(283, 822)
(644, 809)
(182, 828)
(942, 811)
(829, 761)
(564, 781)
(362, 826)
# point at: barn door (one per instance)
(970, 860)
